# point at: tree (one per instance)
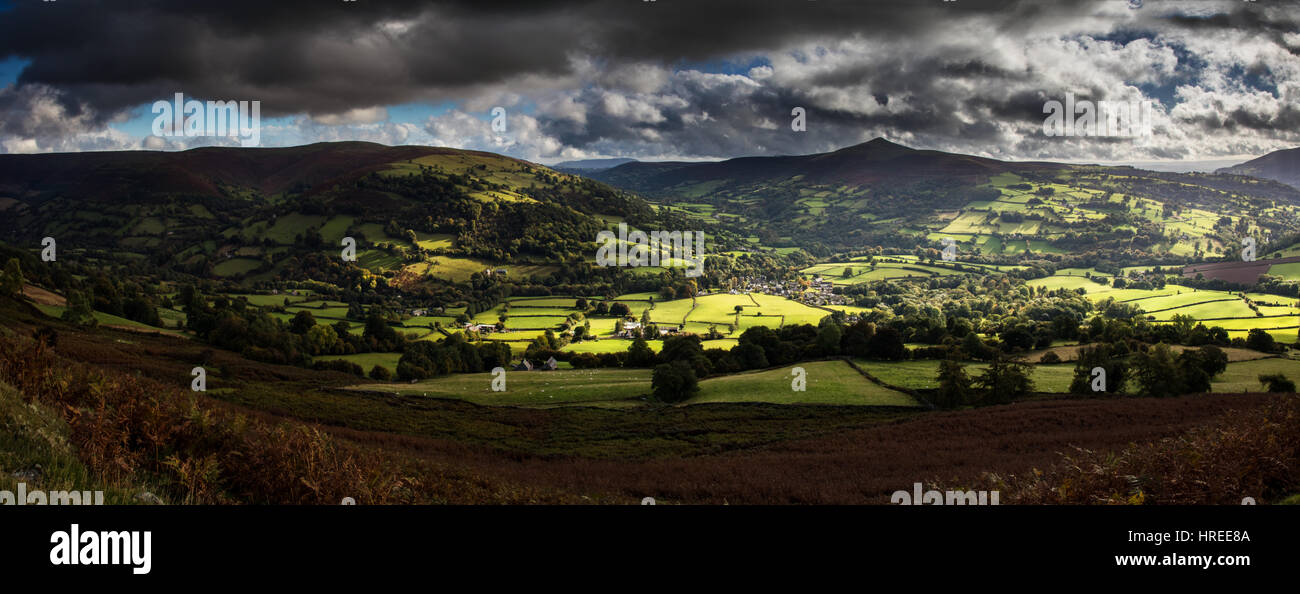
(639, 354)
(380, 373)
(856, 338)
(674, 382)
(581, 304)
(1005, 380)
(79, 311)
(11, 283)
(302, 322)
(1209, 358)
(975, 348)
(954, 385)
(680, 348)
(320, 340)
(1105, 357)
(1276, 382)
(828, 338)
(1160, 373)
(1261, 341)
(750, 355)
(886, 344)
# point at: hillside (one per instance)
(1283, 166)
(262, 213)
(883, 193)
(208, 172)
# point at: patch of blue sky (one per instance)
(10, 68)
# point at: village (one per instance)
(817, 291)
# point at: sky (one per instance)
(661, 80)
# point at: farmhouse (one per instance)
(524, 365)
(551, 364)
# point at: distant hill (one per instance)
(587, 166)
(871, 162)
(1283, 166)
(251, 212)
(197, 172)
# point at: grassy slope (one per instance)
(34, 449)
(828, 382)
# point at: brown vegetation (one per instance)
(867, 465)
(1252, 452)
(128, 428)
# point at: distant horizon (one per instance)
(1172, 166)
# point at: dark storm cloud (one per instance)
(321, 56)
(920, 75)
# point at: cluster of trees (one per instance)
(1155, 370)
(424, 358)
(235, 325)
(1002, 381)
(757, 348)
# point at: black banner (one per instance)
(1176, 543)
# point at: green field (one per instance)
(1243, 376)
(923, 374)
(366, 360)
(828, 382)
(861, 272)
(448, 268)
(235, 266)
(670, 312)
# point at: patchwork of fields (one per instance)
(1238, 313)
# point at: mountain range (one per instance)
(195, 209)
